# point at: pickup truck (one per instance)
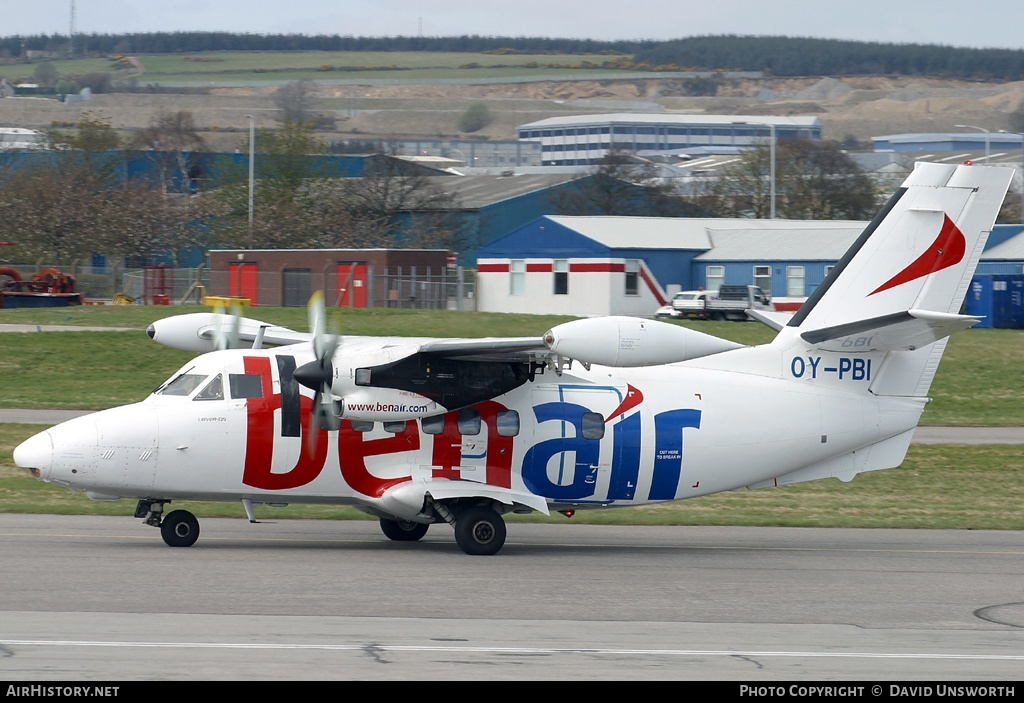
(685, 304)
(732, 302)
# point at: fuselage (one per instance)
(222, 429)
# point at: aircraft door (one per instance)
(573, 455)
(202, 437)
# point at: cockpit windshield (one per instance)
(214, 390)
(183, 384)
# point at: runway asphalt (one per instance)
(98, 599)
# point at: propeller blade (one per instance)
(324, 416)
(219, 338)
(226, 327)
(317, 375)
(235, 326)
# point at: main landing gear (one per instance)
(479, 529)
(403, 530)
(179, 528)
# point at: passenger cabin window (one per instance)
(396, 426)
(433, 424)
(469, 421)
(593, 426)
(507, 423)
(214, 390)
(245, 385)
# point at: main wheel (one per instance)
(480, 530)
(180, 528)
(403, 530)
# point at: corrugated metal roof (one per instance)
(474, 192)
(1012, 248)
(640, 232)
(783, 240)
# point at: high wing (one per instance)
(612, 341)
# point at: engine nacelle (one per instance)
(198, 331)
(631, 341)
(387, 405)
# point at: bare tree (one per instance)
(818, 181)
(813, 181)
(621, 184)
(295, 101)
(402, 206)
(79, 204)
(174, 139)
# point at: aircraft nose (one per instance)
(151, 331)
(35, 454)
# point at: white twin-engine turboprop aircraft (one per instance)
(595, 413)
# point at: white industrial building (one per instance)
(576, 140)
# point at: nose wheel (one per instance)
(179, 528)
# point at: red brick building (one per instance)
(348, 277)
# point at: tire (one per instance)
(180, 528)
(403, 530)
(480, 531)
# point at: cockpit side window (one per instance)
(214, 390)
(245, 385)
(182, 385)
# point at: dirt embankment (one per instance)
(859, 107)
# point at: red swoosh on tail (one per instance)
(947, 250)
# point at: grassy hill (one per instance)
(384, 94)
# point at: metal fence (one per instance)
(366, 288)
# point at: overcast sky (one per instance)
(968, 23)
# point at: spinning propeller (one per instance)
(226, 326)
(319, 373)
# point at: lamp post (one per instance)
(252, 153)
(771, 172)
(1021, 174)
(980, 129)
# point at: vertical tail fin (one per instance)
(896, 295)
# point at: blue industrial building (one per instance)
(787, 259)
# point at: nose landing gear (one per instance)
(179, 528)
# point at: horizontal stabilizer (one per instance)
(774, 319)
(904, 331)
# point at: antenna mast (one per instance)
(71, 32)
